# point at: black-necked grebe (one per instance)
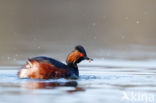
(48, 68)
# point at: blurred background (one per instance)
(112, 29)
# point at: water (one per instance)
(118, 34)
(103, 80)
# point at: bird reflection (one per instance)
(52, 85)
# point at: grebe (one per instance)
(48, 68)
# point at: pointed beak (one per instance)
(89, 59)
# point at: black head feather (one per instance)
(81, 49)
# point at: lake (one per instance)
(119, 35)
(103, 80)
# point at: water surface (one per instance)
(118, 34)
(103, 80)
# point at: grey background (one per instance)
(53, 27)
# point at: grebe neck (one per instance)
(75, 67)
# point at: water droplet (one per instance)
(94, 37)
(14, 59)
(93, 24)
(137, 22)
(104, 17)
(8, 58)
(122, 36)
(126, 18)
(145, 13)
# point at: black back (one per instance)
(57, 63)
(49, 60)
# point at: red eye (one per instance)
(81, 55)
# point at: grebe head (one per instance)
(77, 56)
